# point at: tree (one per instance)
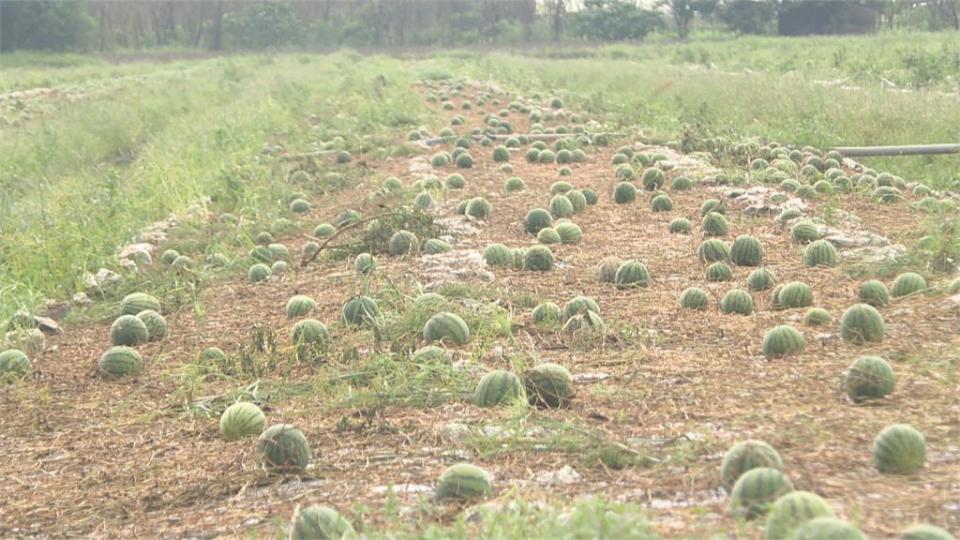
(749, 16)
(615, 20)
(48, 25)
(683, 12)
(264, 25)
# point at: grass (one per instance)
(160, 145)
(670, 100)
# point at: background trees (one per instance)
(104, 25)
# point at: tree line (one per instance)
(106, 25)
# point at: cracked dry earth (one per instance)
(86, 456)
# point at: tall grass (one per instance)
(668, 99)
(80, 184)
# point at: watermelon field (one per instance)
(601, 293)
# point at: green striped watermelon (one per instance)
(136, 302)
(464, 481)
(498, 387)
(446, 325)
(240, 420)
(792, 511)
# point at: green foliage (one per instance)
(45, 25)
(615, 20)
(264, 25)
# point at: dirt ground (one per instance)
(92, 457)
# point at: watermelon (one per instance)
(548, 385)
(861, 323)
(446, 326)
(499, 387)
(299, 305)
(694, 298)
(820, 253)
(737, 301)
(134, 303)
(259, 272)
(360, 310)
(464, 481)
(309, 338)
(908, 283)
(364, 264)
(899, 449)
(631, 274)
(794, 295)
(318, 522)
(756, 490)
(497, 255)
(241, 420)
(782, 341)
(827, 527)
(792, 511)
(744, 456)
(874, 293)
(538, 259)
(537, 219)
(403, 243)
(128, 330)
(282, 449)
(155, 323)
(121, 361)
(746, 251)
(14, 361)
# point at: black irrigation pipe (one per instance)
(907, 150)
